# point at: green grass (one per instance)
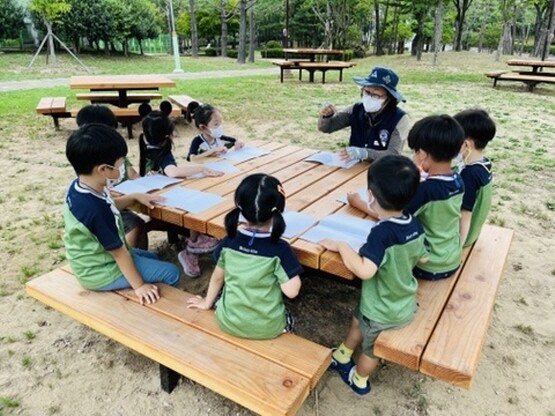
(15, 65)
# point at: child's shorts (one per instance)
(130, 220)
(423, 274)
(371, 329)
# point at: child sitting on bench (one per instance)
(384, 263)
(475, 172)
(93, 229)
(254, 265)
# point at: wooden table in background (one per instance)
(311, 188)
(536, 65)
(121, 84)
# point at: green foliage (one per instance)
(11, 19)
(272, 44)
(272, 53)
(8, 402)
(51, 10)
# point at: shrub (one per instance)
(210, 52)
(272, 53)
(273, 44)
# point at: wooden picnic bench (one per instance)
(113, 97)
(54, 107)
(531, 79)
(311, 67)
(186, 104)
(269, 377)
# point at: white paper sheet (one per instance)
(220, 165)
(190, 200)
(244, 153)
(145, 184)
(331, 159)
(352, 230)
(362, 192)
(296, 222)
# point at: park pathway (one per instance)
(60, 82)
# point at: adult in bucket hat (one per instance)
(378, 126)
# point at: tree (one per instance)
(438, 28)
(11, 16)
(51, 12)
(244, 6)
(145, 21)
(461, 7)
(193, 28)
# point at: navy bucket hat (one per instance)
(384, 77)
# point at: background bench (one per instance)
(113, 97)
(186, 105)
(529, 78)
(270, 377)
(323, 67)
(54, 107)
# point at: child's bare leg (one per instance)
(138, 237)
(366, 365)
(354, 336)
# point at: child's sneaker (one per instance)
(342, 369)
(203, 244)
(354, 387)
(189, 262)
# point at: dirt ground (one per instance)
(50, 364)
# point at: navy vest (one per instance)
(377, 135)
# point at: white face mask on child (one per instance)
(217, 132)
(110, 183)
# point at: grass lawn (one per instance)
(35, 175)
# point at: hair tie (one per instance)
(275, 209)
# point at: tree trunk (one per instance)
(242, 31)
(438, 29)
(252, 35)
(548, 33)
(484, 13)
(51, 52)
(379, 46)
(194, 31)
(141, 46)
(223, 39)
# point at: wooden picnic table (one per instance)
(536, 64)
(312, 53)
(311, 188)
(121, 84)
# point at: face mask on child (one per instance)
(217, 132)
(110, 183)
(371, 104)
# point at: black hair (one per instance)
(96, 113)
(477, 125)
(259, 197)
(92, 145)
(441, 136)
(157, 132)
(393, 180)
(203, 114)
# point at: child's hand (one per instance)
(354, 199)
(218, 150)
(147, 293)
(211, 172)
(198, 302)
(148, 200)
(329, 244)
(344, 155)
(238, 144)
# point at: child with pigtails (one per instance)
(254, 265)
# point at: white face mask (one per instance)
(110, 183)
(371, 104)
(217, 132)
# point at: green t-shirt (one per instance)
(92, 227)
(251, 304)
(395, 245)
(437, 205)
(478, 188)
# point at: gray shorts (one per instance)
(130, 220)
(371, 329)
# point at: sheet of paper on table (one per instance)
(331, 159)
(352, 230)
(190, 200)
(296, 222)
(362, 192)
(244, 153)
(145, 184)
(220, 165)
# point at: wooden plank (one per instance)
(256, 383)
(44, 106)
(182, 101)
(96, 96)
(513, 76)
(291, 351)
(406, 345)
(116, 82)
(58, 105)
(454, 348)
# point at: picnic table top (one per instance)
(531, 62)
(117, 82)
(311, 188)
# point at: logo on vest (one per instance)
(384, 137)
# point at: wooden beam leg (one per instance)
(323, 76)
(300, 74)
(130, 130)
(56, 122)
(310, 76)
(281, 74)
(168, 378)
(341, 75)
